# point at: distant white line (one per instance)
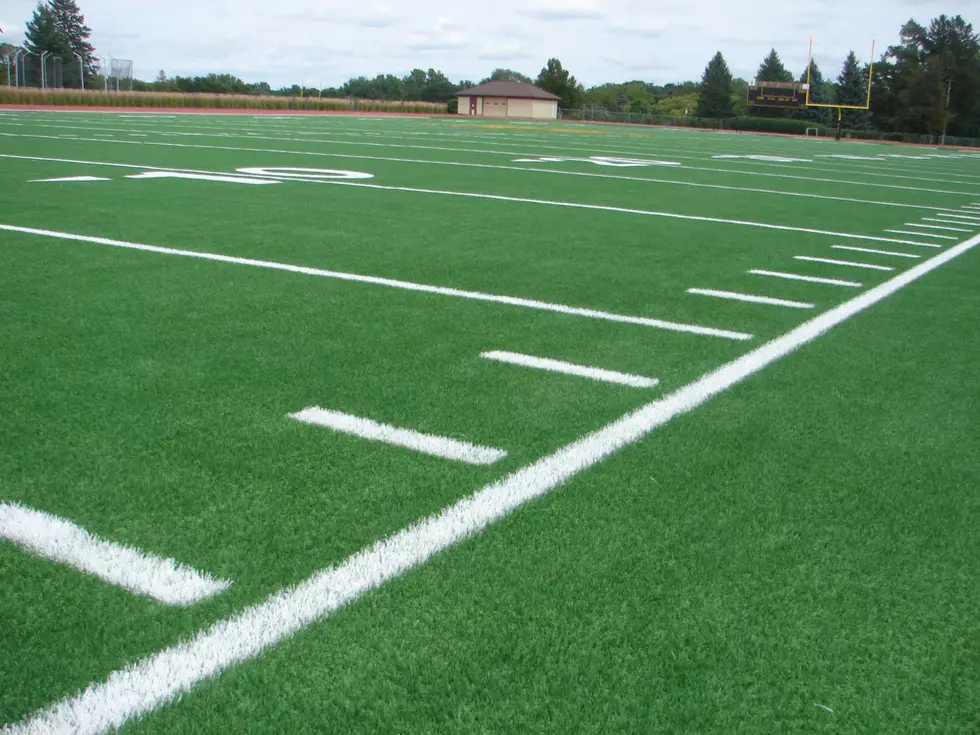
(943, 221)
(922, 234)
(165, 580)
(808, 279)
(150, 683)
(972, 217)
(875, 252)
(848, 263)
(749, 298)
(582, 371)
(935, 227)
(68, 180)
(436, 446)
(392, 283)
(958, 218)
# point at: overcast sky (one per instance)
(327, 41)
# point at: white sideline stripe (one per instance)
(749, 298)
(922, 234)
(808, 279)
(559, 366)
(147, 684)
(436, 446)
(165, 580)
(68, 179)
(391, 283)
(875, 252)
(937, 227)
(848, 263)
(503, 198)
(943, 221)
(948, 215)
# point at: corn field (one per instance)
(98, 98)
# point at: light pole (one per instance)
(105, 73)
(81, 69)
(949, 92)
(43, 55)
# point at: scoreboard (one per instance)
(777, 94)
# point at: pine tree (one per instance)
(772, 69)
(715, 96)
(71, 23)
(852, 89)
(818, 93)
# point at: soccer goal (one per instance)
(812, 132)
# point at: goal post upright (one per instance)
(840, 108)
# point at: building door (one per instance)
(472, 105)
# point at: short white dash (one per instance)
(936, 227)
(848, 263)
(971, 217)
(922, 234)
(942, 222)
(165, 580)
(750, 298)
(959, 219)
(437, 446)
(875, 252)
(69, 179)
(808, 279)
(582, 371)
(824, 707)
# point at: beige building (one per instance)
(508, 99)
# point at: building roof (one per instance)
(518, 90)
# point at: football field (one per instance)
(384, 424)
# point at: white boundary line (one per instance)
(436, 446)
(922, 234)
(808, 279)
(56, 539)
(522, 200)
(936, 227)
(392, 283)
(750, 298)
(875, 252)
(568, 368)
(147, 684)
(848, 263)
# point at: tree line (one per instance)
(929, 81)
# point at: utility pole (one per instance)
(949, 93)
(43, 54)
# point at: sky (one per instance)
(322, 43)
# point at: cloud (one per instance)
(445, 36)
(646, 28)
(562, 10)
(504, 52)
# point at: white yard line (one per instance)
(951, 215)
(150, 683)
(48, 536)
(847, 263)
(392, 283)
(750, 298)
(935, 227)
(942, 221)
(922, 234)
(568, 368)
(436, 446)
(875, 252)
(807, 279)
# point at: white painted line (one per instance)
(559, 366)
(391, 283)
(941, 221)
(165, 580)
(436, 446)
(148, 684)
(875, 252)
(222, 178)
(922, 234)
(951, 215)
(848, 263)
(936, 227)
(69, 179)
(749, 298)
(808, 279)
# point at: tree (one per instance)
(852, 89)
(58, 27)
(818, 93)
(951, 44)
(507, 75)
(71, 23)
(555, 79)
(715, 98)
(161, 77)
(772, 70)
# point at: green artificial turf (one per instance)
(807, 539)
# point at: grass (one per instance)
(808, 538)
